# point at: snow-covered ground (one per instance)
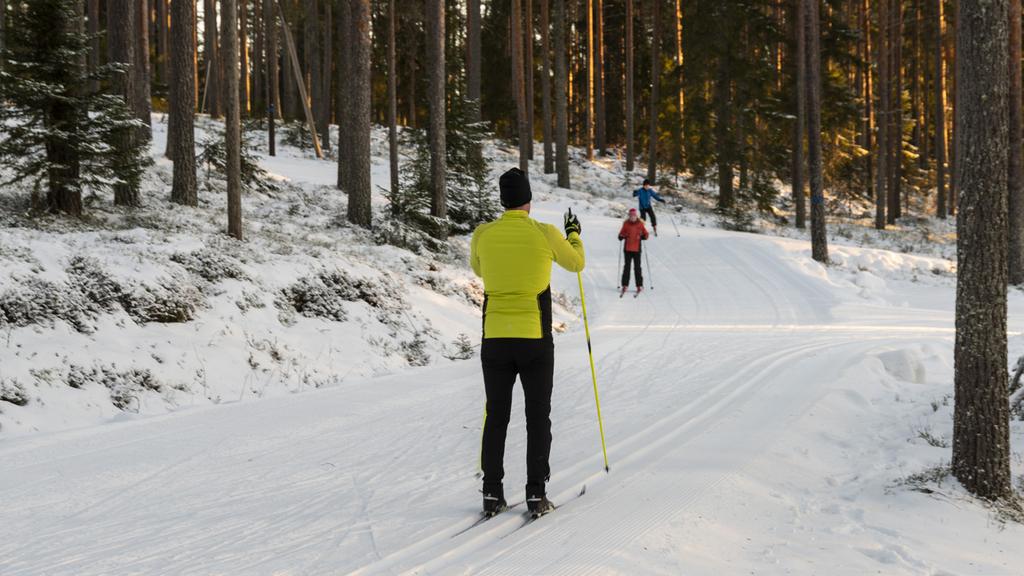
(764, 414)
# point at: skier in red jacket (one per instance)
(632, 231)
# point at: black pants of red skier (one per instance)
(533, 360)
(633, 257)
(649, 211)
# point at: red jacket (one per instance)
(633, 233)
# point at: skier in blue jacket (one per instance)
(644, 195)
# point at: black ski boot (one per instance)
(539, 505)
(494, 501)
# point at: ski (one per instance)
(529, 518)
(484, 517)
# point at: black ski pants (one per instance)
(533, 360)
(649, 211)
(635, 258)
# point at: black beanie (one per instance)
(515, 188)
(647, 182)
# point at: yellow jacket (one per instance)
(513, 255)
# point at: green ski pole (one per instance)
(593, 373)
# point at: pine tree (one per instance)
(981, 435)
(121, 41)
(232, 116)
(561, 98)
(358, 125)
(819, 238)
(59, 135)
(182, 149)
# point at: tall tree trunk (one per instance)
(869, 100)
(473, 57)
(681, 99)
(590, 79)
(561, 99)
(141, 102)
(953, 142)
(723, 128)
(981, 437)
(528, 74)
(895, 113)
(652, 141)
(182, 90)
(121, 39)
(1016, 152)
(259, 99)
(359, 123)
(518, 87)
(162, 58)
(599, 90)
(819, 237)
(393, 98)
(881, 167)
(327, 89)
(800, 75)
(211, 72)
(94, 42)
(435, 15)
(312, 60)
(232, 116)
(243, 56)
(940, 116)
(630, 105)
(345, 70)
(545, 87)
(64, 188)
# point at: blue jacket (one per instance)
(645, 195)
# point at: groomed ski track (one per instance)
(699, 379)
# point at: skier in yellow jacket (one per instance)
(513, 255)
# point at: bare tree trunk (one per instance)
(232, 117)
(940, 116)
(259, 99)
(162, 58)
(435, 16)
(981, 437)
(895, 113)
(869, 99)
(528, 75)
(182, 91)
(327, 75)
(800, 63)
(819, 238)
(211, 73)
(393, 97)
(243, 55)
(312, 57)
(681, 99)
(518, 85)
(545, 87)
(473, 57)
(881, 171)
(361, 186)
(141, 102)
(599, 100)
(1016, 152)
(652, 142)
(121, 37)
(723, 129)
(344, 95)
(630, 105)
(590, 80)
(94, 43)
(561, 99)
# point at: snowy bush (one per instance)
(213, 155)
(12, 391)
(325, 294)
(125, 386)
(210, 265)
(167, 301)
(250, 300)
(99, 291)
(415, 350)
(461, 348)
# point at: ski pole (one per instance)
(648, 259)
(618, 264)
(673, 219)
(593, 373)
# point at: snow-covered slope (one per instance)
(763, 415)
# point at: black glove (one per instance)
(572, 223)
